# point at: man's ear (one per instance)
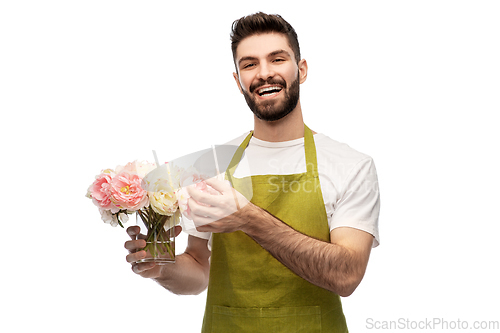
(237, 79)
(302, 70)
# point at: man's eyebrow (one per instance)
(272, 54)
(245, 58)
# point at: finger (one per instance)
(135, 256)
(133, 231)
(200, 221)
(218, 185)
(134, 245)
(142, 267)
(199, 210)
(215, 226)
(205, 228)
(224, 187)
(177, 230)
(200, 196)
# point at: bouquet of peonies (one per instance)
(153, 193)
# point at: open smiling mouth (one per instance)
(269, 91)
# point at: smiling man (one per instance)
(262, 77)
(278, 261)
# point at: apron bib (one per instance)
(251, 291)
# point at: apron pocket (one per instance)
(304, 319)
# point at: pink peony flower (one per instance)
(182, 199)
(100, 190)
(140, 168)
(127, 193)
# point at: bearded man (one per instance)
(280, 260)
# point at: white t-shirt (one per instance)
(347, 177)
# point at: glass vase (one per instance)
(159, 233)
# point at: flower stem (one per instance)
(158, 240)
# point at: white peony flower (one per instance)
(111, 218)
(163, 202)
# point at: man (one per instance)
(279, 262)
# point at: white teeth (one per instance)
(263, 90)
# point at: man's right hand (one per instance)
(134, 246)
(189, 274)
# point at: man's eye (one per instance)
(278, 60)
(248, 66)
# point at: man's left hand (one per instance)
(217, 213)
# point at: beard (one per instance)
(267, 110)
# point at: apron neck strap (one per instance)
(310, 149)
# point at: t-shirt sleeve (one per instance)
(358, 204)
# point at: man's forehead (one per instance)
(264, 44)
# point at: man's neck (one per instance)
(288, 128)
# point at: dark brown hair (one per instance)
(263, 23)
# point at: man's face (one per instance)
(268, 75)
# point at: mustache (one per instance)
(271, 81)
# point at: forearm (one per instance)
(185, 277)
(330, 266)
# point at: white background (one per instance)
(87, 85)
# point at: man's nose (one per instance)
(265, 72)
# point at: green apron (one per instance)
(249, 290)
